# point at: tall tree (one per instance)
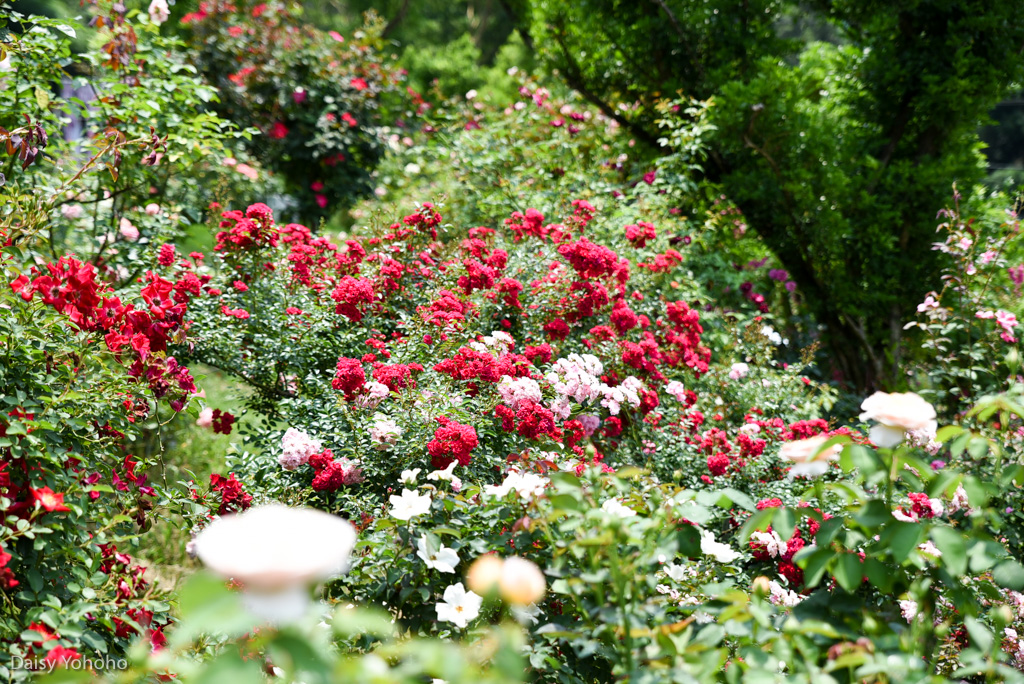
(839, 154)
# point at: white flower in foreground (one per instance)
(895, 415)
(409, 476)
(409, 504)
(617, 508)
(276, 552)
(459, 606)
(441, 558)
(722, 553)
(807, 456)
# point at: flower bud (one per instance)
(761, 586)
(484, 574)
(521, 582)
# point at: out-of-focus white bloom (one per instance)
(738, 371)
(807, 456)
(158, 11)
(909, 609)
(895, 414)
(443, 558)
(773, 337)
(459, 606)
(484, 573)
(470, 94)
(526, 615)
(409, 504)
(929, 549)
(527, 485)
(521, 582)
(276, 552)
(296, 448)
(750, 429)
(409, 476)
(448, 474)
(617, 508)
(722, 553)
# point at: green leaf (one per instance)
(954, 549)
(848, 571)
(902, 537)
(981, 637)
(740, 499)
(813, 563)
(230, 667)
(878, 574)
(565, 502)
(757, 522)
(1009, 574)
(42, 98)
(864, 459)
(873, 514)
(784, 522)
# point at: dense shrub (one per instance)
(321, 101)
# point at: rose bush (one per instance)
(321, 101)
(574, 430)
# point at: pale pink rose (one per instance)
(129, 231)
(896, 414)
(158, 11)
(808, 457)
(205, 418)
(71, 211)
(152, 208)
(247, 171)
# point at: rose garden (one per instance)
(515, 341)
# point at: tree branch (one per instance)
(575, 80)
